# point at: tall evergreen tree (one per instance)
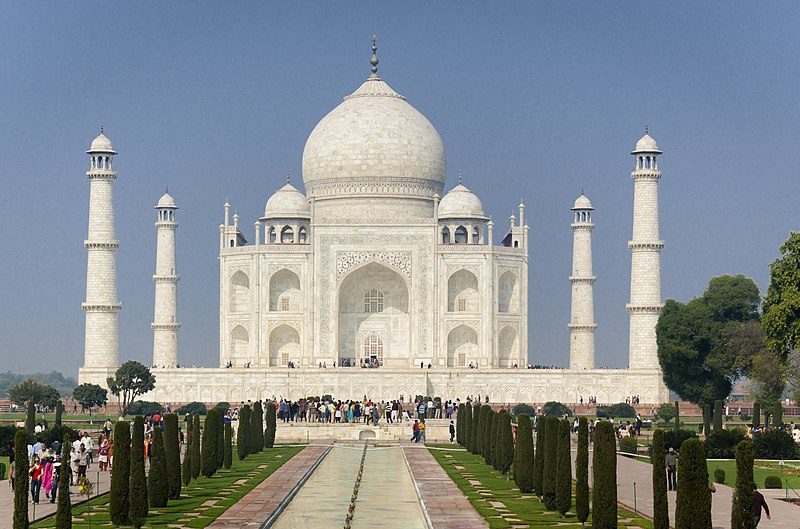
(271, 420)
(604, 477)
(582, 472)
(243, 433)
(186, 465)
(563, 500)
(256, 428)
(486, 419)
(777, 414)
(550, 463)
(475, 429)
(157, 484)
(208, 449)
(504, 455)
(460, 424)
(717, 416)
(491, 439)
(219, 415)
(756, 414)
(660, 504)
(524, 455)
(137, 507)
(59, 413)
(467, 426)
(64, 504)
(538, 458)
(120, 478)
(742, 516)
(195, 460)
(30, 418)
(228, 461)
(21, 480)
(173, 454)
(677, 415)
(707, 420)
(693, 502)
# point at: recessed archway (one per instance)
(462, 346)
(284, 346)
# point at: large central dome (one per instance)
(374, 144)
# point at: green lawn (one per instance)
(194, 508)
(524, 507)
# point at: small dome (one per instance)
(583, 202)
(460, 202)
(646, 144)
(166, 201)
(287, 202)
(101, 144)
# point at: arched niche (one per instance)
(284, 346)
(508, 293)
(239, 292)
(508, 347)
(239, 344)
(284, 292)
(462, 346)
(462, 292)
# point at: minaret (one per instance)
(165, 320)
(645, 304)
(101, 349)
(582, 325)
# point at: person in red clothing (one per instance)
(758, 503)
(36, 479)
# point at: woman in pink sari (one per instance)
(47, 477)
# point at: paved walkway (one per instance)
(259, 504)
(445, 504)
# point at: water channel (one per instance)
(386, 495)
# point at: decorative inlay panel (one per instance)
(398, 260)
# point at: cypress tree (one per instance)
(220, 438)
(157, 484)
(459, 422)
(466, 426)
(742, 503)
(21, 480)
(707, 420)
(195, 460)
(137, 506)
(756, 414)
(475, 429)
(243, 433)
(677, 415)
(538, 459)
(693, 503)
(660, 505)
(59, 412)
(717, 416)
(269, 432)
(172, 451)
(30, 420)
(506, 441)
(523, 455)
(582, 471)
(563, 500)
(487, 420)
(480, 424)
(604, 477)
(257, 428)
(64, 505)
(228, 461)
(186, 466)
(120, 478)
(208, 454)
(550, 463)
(777, 414)
(491, 439)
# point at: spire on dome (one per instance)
(288, 177)
(460, 177)
(374, 60)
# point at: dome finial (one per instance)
(460, 177)
(101, 128)
(374, 60)
(646, 129)
(288, 177)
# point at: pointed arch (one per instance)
(462, 292)
(284, 291)
(508, 293)
(284, 346)
(239, 343)
(239, 292)
(462, 346)
(508, 346)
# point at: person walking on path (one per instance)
(452, 431)
(415, 431)
(758, 503)
(36, 479)
(672, 460)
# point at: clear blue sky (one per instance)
(535, 100)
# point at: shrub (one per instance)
(523, 408)
(243, 433)
(773, 482)
(616, 410)
(157, 485)
(120, 478)
(228, 461)
(269, 432)
(582, 472)
(742, 502)
(64, 507)
(550, 463)
(143, 407)
(628, 445)
(57, 433)
(555, 409)
(717, 416)
(719, 476)
(7, 432)
(538, 458)
(488, 440)
(721, 444)
(20, 520)
(224, 406)
(195, 408)
(775, 444)
(506, 452)
(666, 412)
(604, 472)
(675, 438)
(660, 505)
(693, 503)
(173, 455)
(523, 455)
(563, 469)
(137, 502)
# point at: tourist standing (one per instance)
(452, 431)
(35, 472)
(759, 503)
(672, 462)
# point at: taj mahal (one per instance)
(377, 278)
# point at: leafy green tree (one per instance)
(604, 477)
(550, 463)
(120, 478)
(658, 460)
(90, 395)
(554, 409)
(742, 516)
(524, 455)
(196, 462)
(130, 380)
(157, 484)
(582, 471)
(137, 495)
(209, 445)
(666, 412)
(475, 429)
(172, 452)
(538, 458)
(59, 412)
(243, 433)
(35, 392)
(228, 461)
(64, 505)
(269, 432)
(717, 416)
(781, 307)
(257, 428)
(563, 500)
(20, 520)
(693, 503)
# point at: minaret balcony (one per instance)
(165, 326)
(646, 175)
(101, 245)
(101, 307)
(588, 279)
(644, 309)
(646, 245)
(582, 327)
(101, 174)
(166, 278)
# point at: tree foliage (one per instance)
(555, 409)
(130, 380)
(228, 447)
(137, 493)
(186, 465)
(120, 478)
(220, 417)
(64, 504)
(55, 379)
(582, 472)
(550, 463)
(475, 428)
(742, 502)
(523, 455)
(563, 500)
(243, 433)
(466, 425)
(490, 444)
(460, 425)
(538, 458)
(195, 448)
(173, 455)
(271, 420)
(717, 416)
(604, 477)
(693, 503)
(90, 395)
(658, 460)
(257, 428)
(35, 392)
(157, 480)
(30, 418)
(781, 307)
(208, 448)
(21, 520)
(59, 412)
